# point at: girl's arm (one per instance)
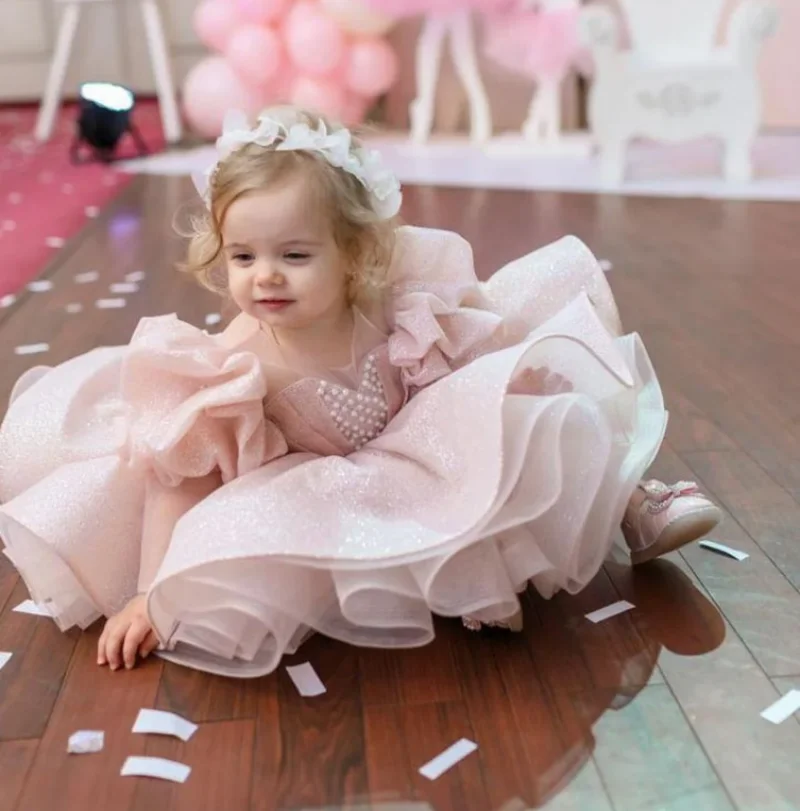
(164, 506)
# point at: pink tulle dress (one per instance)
(535, 43)
(414, 8)
(353, 502)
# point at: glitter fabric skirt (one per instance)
(469, 494)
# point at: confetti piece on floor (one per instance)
(4, 658)
(86, 741)
(92, 211)
(724, 550)
(605, 265)
(87, 277)
(157, 722)
(74, 308)
(136, 277)
(7, 300)
(156, 767)
(124, 287)
(306, 680)
(213, 318)
(610, 611)
(15, 198)
(40, 286)
(31, 349)
(55, 242)
(452, 755)
(30, 607)
(110, 303)
(784, 708)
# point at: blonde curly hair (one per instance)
(365, 239)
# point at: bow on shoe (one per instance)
(660, 496)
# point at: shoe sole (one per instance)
(684, 530)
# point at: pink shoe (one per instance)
(661, 518)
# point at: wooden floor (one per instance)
(657, 709)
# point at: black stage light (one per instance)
(104, 117)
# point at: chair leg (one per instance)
(612, 162)
(51, 99)
(737, 163)
(159, 58)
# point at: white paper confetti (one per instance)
(110, 303)
(7, 301)
(135, 277)
(156, 722)
(55, 242)
(92, 212)
(156, 767)
(124, 287)
(74, 308)
(87, 277)
(610, 611)
(306, 680)
(4, 658)
(452, 755)
(784, 708)
(605, 265)
(40, 286)
(30, 607)
(15, 198)
(86, 741)
(9, 225)
(213, 318)
(31, 349)
(724, 550)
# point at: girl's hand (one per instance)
(127, 634)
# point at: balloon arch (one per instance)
(330, 55)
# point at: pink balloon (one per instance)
(255, 53)
(314, 41)
(211, 89)
(319, 95)
(262, 11)
(214, 23)
(355, 109)
(371, 67)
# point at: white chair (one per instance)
(674, 83)
(159, 58)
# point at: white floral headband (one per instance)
(336, 147)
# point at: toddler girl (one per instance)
(376, 437)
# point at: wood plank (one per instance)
(322, 758)
(763, 508)
(32, 679)
(722, 694)
(649, 757)
(532, 743)
(574, 654)
(414, 675)
(16, 758)
(92, 697)
(8, 580)
(221, 758)
(204, 697)
(755, 596)
(784, 685)
(422, 732)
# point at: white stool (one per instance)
(159, 58)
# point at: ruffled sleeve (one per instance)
(439, 316)
(193, 405)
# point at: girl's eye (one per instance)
(296, 256)
(242, 258)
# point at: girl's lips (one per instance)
(275, 303)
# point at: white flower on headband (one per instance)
(336, 147)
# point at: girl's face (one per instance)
(284, 266)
